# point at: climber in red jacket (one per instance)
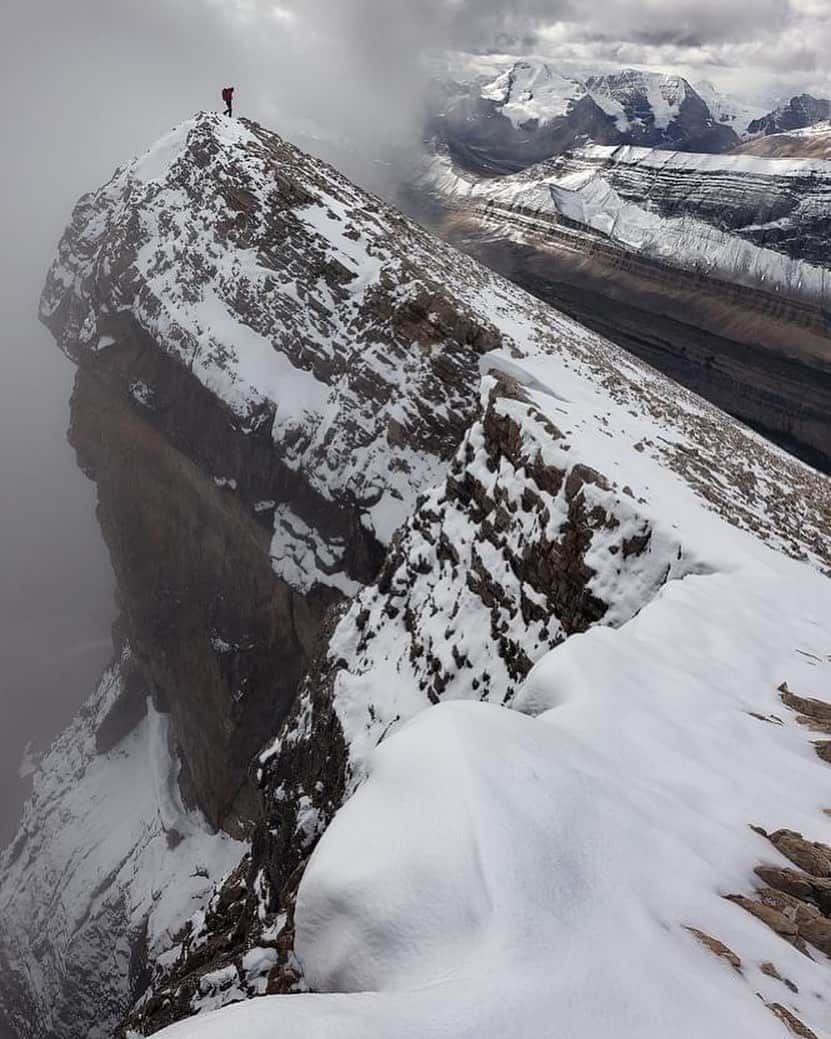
(228, 98)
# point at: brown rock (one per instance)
(770, 970)
(788, 880)
(795, 1025)
(813, 724)
(813, 857)
(775, 919)
(823, 749)
(811, 925)
(717, 948)
(819, 710)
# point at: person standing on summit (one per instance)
(228, 98)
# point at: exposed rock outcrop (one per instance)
(521, 546)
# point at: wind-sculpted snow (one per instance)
(497, 870)
(568, 505)
(105, 868)
(586, 487)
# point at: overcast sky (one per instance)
(88, 83)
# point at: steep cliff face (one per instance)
(271, 366)
(801, 111)
(712, 268)
(254, 340)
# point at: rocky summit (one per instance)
(462, 660)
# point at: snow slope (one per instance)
(293, 298)
(501, 869)
(106, 862)
(493, 872)
(728, 110)
(541, 710)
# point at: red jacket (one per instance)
(227, 94)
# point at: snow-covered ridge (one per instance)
(287, 293)
(609, 812)
(554, 493)
(587, 492)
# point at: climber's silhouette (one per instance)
(228, 98)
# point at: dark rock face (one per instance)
(220, 639)
(302, 781)
(691, 129)
(431, 591)
(271, 366)
(802, 110)
(731, 347)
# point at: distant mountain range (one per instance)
(531, 112)
(798, 113)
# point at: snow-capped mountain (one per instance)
(727, 110)
(533, 641)
(531, 112)
(801, 111)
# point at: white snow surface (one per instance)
(730, 111)
(499, 871)
(532, 870)
(533, 91)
